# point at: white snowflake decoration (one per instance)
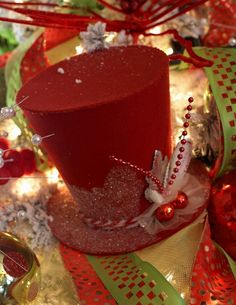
(94, 38)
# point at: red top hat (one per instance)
(110, 102)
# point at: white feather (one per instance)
(158, 169)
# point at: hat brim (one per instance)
(69, 228)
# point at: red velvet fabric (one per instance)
(121, 107)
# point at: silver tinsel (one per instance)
(27, 217)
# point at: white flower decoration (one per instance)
(94, 38)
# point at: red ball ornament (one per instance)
(4, 175)
(4, 144)
(222, 212)
(181, 201)
(165, 212)
(15, 166)
(28, 161)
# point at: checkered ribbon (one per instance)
(222, 79)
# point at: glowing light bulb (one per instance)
(110, 37)
(79, 50)
(26, 187)
(169, 51)
(53, 175)
(13, 131)
(156, 30)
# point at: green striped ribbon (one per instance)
(132, 281)
(14, 83)
(222, 79)
(231, 262)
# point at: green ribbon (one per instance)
(231, 262)
(13, 84)
(132, 281)
(222, 79)
(12, 70)
(7, 39)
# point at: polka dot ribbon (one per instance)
(222, 79)
(222, 23)
(213, 276)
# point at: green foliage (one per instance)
(7, 40)
(84, 5)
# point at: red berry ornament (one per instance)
(165, 212)
(4, 144)
(28, 161)
(4, 175)
(181, 201)
(14, 166)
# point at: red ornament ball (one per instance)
(28, 161)
(4, 175)
(181, 201)
(15, 264)
(165, 212)
(222, 212)
(4, 144)
(15, 166)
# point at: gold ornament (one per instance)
(19, 270)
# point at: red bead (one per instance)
(186, 124)
(165, 212)
(184, 133)
(176, 170)
(189, 108)
(183, 141)
(181, 201)
(173, 176)
(180, 156)
(181, 149)
(170, 182)
(178, 163)
(188, 116)
(190, 99)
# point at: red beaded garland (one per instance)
(140, 170)
(189, 108)
(178, 163)
(183, 142)
(188, 116)
(165, 212)
(186, 124)
(180, 156)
